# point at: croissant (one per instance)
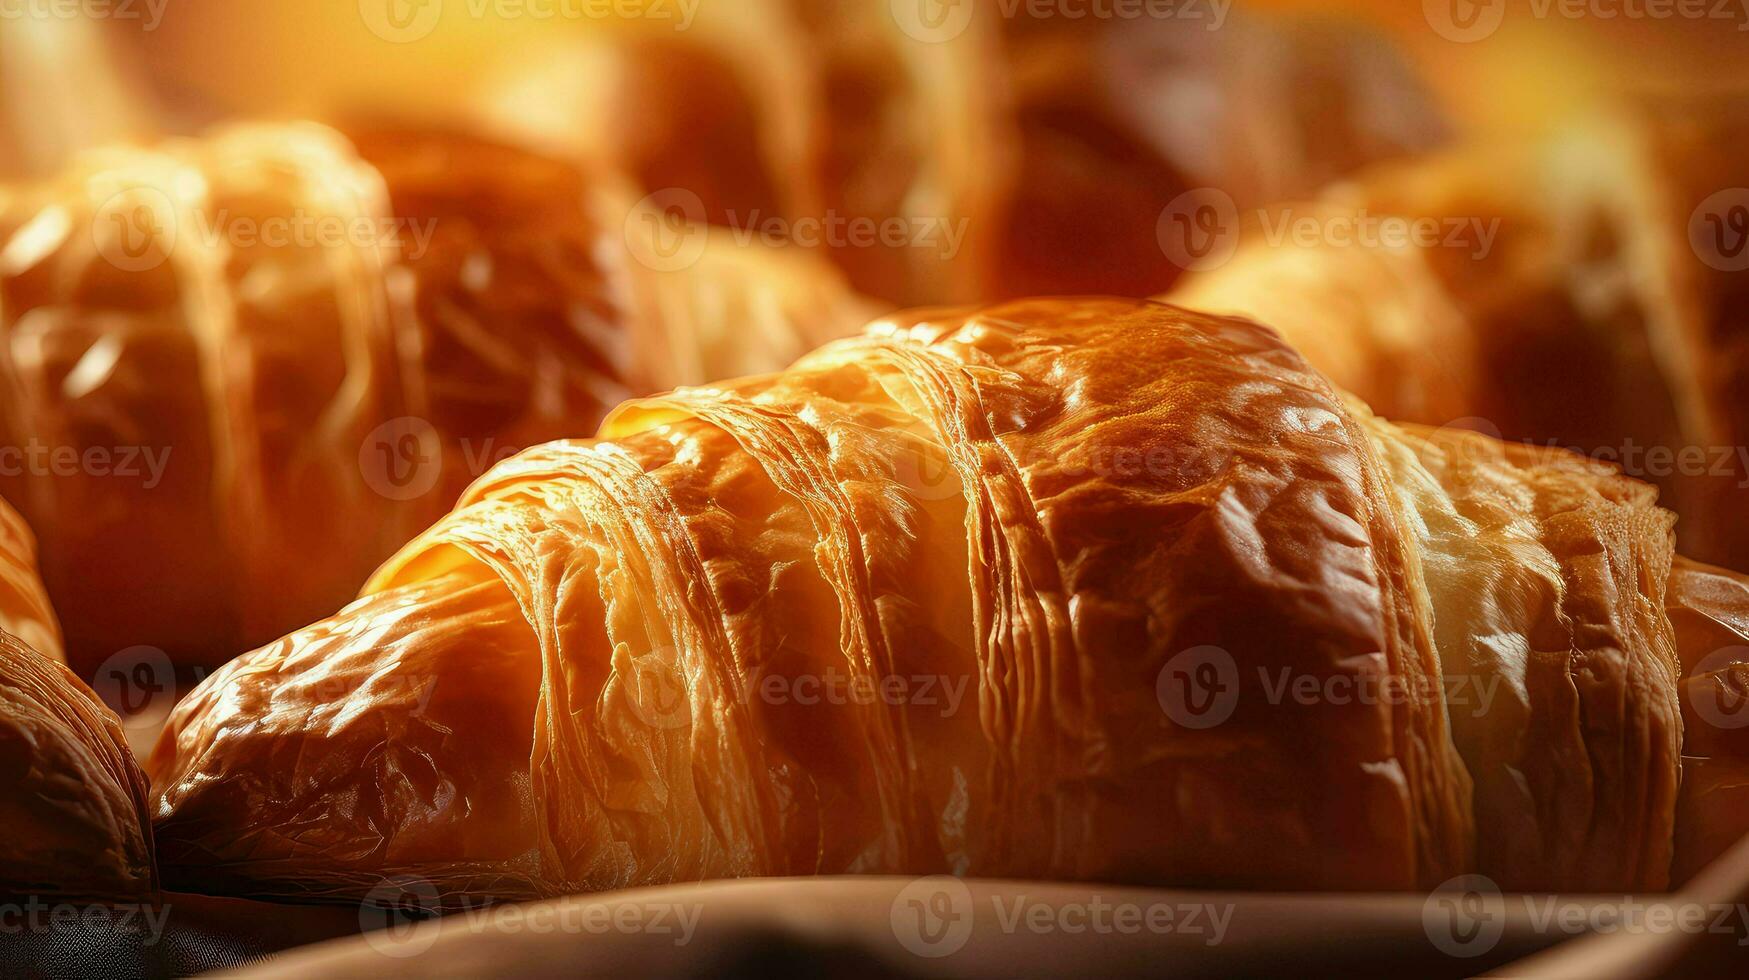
(1707, 609)
(1015, 154)
(25, 610)
(1060, 589)
(1577, 292)
(210, 349)
(73, 802)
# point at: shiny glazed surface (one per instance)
(1048, 506)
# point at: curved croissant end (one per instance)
(1066, 589)
(73, 803)
(73, 818)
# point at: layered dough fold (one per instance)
(725, 638)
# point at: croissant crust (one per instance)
(1053, 507)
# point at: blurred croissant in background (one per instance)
(697, 646)
(1052, 144)
(937, 153)
(1584, 291)
(242, 370)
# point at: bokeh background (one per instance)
(127, 67)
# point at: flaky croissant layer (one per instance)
(1062, 589)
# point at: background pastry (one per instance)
(1563, 292)
(237, 341)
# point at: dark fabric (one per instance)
(175, 936)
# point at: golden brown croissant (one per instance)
(212, 349)
(73, 818)
(1580, 293)
(73, 802)
(1062, 589)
